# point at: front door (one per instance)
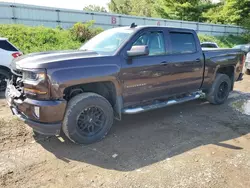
(142, 75)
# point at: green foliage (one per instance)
(225, 41)
(95, 8)
(133, 7)
(37, 39)
(230, 12)
(183, 10)
(82, 32)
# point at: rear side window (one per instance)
(5, 45)
(182, 43)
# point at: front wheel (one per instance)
(88, 118)
(4, 75)
(220, 89)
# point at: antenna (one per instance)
(133, 25)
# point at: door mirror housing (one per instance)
(138, 51)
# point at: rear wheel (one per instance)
(3, 76)
(88, 118)
(247, 71)
(220, 89)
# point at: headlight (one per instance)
(35, 82)
(34, 75)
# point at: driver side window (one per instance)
(154, 41)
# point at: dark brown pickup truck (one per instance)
(123, 70)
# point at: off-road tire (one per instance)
(212, 94)
(75, 107)
(247, 71)
(6, 74)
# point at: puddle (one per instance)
(242, 106)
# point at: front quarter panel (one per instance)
(84, 71)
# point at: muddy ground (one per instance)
(190, 145)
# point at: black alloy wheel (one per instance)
(223, 91)
(91, 121)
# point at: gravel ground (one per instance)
(189, 145)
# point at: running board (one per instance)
(161, 104)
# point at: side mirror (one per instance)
(138, 51)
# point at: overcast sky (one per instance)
(71, 4)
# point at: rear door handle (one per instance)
(198, 60)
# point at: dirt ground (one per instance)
(189, 145)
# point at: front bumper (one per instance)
(51, 113)
(42, 128)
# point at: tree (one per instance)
(190, 10)
(230, 12)
(225, 12)
(95, 8)
(133, 7)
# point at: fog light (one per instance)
(37, 112)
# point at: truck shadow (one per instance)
(2, 96)
(141, 140)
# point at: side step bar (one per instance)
(162, 104)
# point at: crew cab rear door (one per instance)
(184, 63)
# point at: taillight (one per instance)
(243, 59)
(242, 63)
(16, 54)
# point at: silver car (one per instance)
(247, 63)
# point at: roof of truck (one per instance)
(153, 27)
(3, 38)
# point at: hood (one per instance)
(36, 60)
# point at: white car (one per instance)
(7, 53)
(247, 63)
(209, 45)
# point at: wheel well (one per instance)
(105, 89)
(5, 68)
(228, 71)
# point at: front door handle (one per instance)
(164, 63)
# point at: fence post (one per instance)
(120, 21)
(58, 17)
(13, 13)
(197, 27)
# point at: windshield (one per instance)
(109, 41)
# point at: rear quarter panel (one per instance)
(216, 59)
